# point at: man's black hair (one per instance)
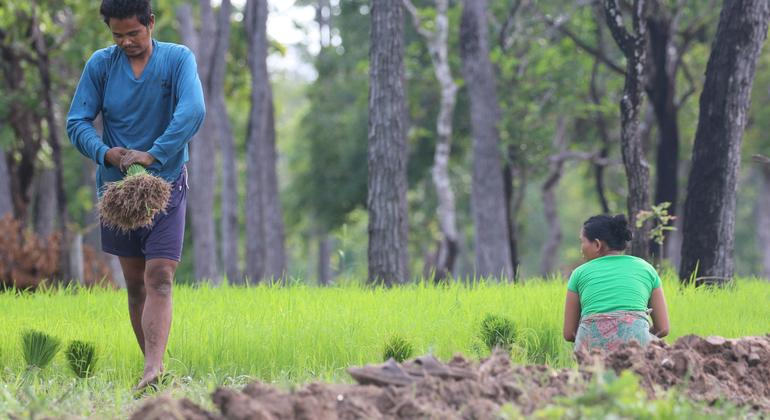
(611, 229)
(124, 9)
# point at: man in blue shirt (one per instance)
(151, 102)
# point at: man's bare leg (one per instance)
(156, 317)
(133, 271)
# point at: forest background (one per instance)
(558, 78)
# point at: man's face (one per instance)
(130, 35)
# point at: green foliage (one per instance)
(39, 348)
(81, 358)
(660, 218)
(398, 348)
(621, 397)
(498, 331)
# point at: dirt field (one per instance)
(705, 369)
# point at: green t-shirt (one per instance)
(614, 283)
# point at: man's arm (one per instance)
(188, 114)
(86, 105)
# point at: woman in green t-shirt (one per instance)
(611, 294)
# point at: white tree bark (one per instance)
(438, 46)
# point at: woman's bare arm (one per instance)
(571, 316)
(659, 313)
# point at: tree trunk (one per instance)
(662, 90)
(324, 259)
(550, 251)
(92, 236)
(763, 220)
(75, 256)
(200, 204)
(229, 193)
(512, 206)
(492, 244)
(598, 91)
(6, 201)
(438, 46)
(634, 48)
(117, 271)
(45, 203)
(387, 151)
(275, 255)
(256, 30)
(44, 69)
(709, 212)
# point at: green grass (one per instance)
(297, 334)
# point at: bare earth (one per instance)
(705, 369)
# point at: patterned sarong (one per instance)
(608, 331)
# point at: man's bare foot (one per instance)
(150, 378)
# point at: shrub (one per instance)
(39, 348)
(397, 347)
(81, 357)
(498, 331)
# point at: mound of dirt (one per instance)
(706, 370)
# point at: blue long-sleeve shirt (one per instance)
(158, 113)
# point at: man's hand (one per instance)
(114, 155)
(134, 156)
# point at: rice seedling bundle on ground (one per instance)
(81, 357)
(134, 201)
(39, 348)
(398, 348)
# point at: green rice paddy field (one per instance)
(296, 334)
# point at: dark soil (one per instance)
(707, 370)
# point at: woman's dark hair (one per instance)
(124, 9)
(611, 229)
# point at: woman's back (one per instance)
(614, 283)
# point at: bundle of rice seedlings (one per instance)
(38, 348)
(398, 348)
(133, 202)
(498, 331)
(81, 357)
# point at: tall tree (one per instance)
(709, 211)
(203, 144)
(763, 218)
(275, 252)
(492, 242)
(67, 270)
(634, 48)
(45, 202)
(229, 193)
(265, 255)
(387, 183)
(437, 41)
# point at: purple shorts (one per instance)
(163, 239)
